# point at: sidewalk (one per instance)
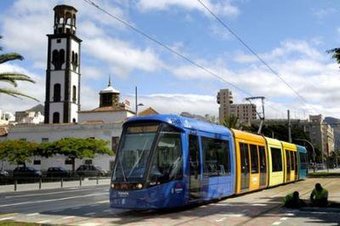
(54, 185)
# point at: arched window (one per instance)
(73, 60)
(56, 117)
(61, 57)
(74, 94)
(55, 58)
(74, 20)
(76, 58)
(56, 92)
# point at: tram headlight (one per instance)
(112, 186)
(139, 186)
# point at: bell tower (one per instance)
(62, 98)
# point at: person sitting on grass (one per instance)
(319, 196)
(293, 200)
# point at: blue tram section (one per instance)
(166, 161)
(302, 162)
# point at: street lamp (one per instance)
(138, 105)
(304, 140)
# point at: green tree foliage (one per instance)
(17, 151)
(12, 78)
(232, 122)
(335, 54)
(74, 148)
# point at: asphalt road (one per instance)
(90, 206)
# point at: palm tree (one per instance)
(12, 78)
(335, 54)
(232, 122)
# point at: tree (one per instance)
(74, 148)
(17, 151)
(232, 122)
(335, 54)
(12, 78)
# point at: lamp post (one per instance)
(136, 101)
(304, 140)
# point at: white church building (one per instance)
(63, 116)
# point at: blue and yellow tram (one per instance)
(166, 161)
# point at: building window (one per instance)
(68, 161)
(56, 117)
(114, 142)
(37, 162)
(56, 92)
(58, 58)
(88, 162)
(74, 94)
(58, 40)
(44, 140)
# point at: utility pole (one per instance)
(261, 116)
(289, 128)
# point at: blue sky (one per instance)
(291, 36)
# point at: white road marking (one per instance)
(107, 211)
(258, 204)
(53, 200)
(90, 224)
(102, 202)
(290, 214)
(68, 217)
(277, 223)
(6, 218)
(44, 222)
(90, 214)
(222, 219)
(283, 218)
(32, 214)
(49, 193)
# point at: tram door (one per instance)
(244, 160)
(288, 165)
(195, 168)
(263, 166)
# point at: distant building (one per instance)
(6, 118)
(244, 112)
(110, 110)
(148, 111)
(33, 115)
(322, 135)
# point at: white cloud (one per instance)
(121, 55)
(324, 12)
(177, 103)
(223, 8)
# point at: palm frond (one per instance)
(335, 54)
(15, 93)
(10, 56)
(12, 78)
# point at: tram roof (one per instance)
(183, 123)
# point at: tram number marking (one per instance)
(123, 193)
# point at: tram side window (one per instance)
(216, 157)
(303, 159)
(276, 159)
(167, 161)
(254, 159)
(292, 160)
(288, 160)
(263, 164)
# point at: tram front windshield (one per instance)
(154, 148)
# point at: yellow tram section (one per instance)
(276, 162)
(251, 161)
(290, 162)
